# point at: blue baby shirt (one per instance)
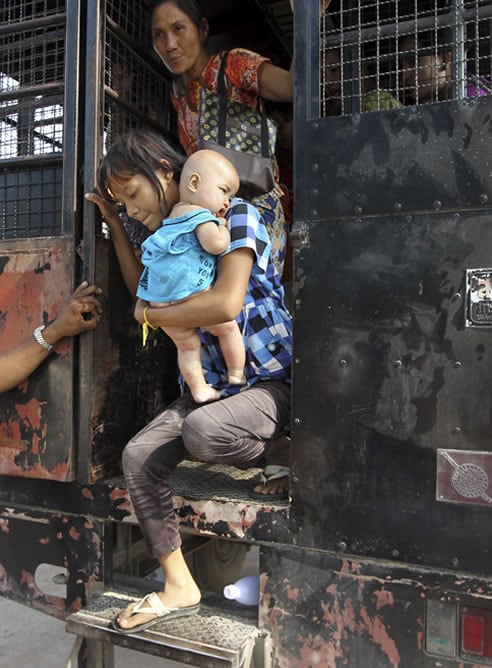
(175, 264)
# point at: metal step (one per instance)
(221, 634)
(217, 500)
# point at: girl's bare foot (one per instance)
(276, 473)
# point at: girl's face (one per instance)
(178, 41)
(140, 198)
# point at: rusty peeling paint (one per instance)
(72, 542)
(251, 521)
(332, 612)
(35, 418)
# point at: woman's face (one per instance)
(139, 196)
(429, 81)
(178, 41)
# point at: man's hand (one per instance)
(81, 312)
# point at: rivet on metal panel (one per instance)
(297, 360)
(357, 210)
(395, 553)
(314, 213)
(456, 430)
(483, 199)
(456, 296)
(458, 365)
(397, 206)
(437, 204)
(297, 301)
(341, 546)
(297, 420)
(397, 363)
(342, 363)
(295, 479)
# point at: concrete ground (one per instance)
(31, 639)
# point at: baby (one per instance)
(179, 262)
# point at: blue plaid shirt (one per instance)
(264, 321)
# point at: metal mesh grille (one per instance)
(136, 92)
(31, 91)
(31, 201)
(32, 63)
(32, 127)
(32, 100)
(380, 54)
(15, 12)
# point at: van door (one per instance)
(393, 359)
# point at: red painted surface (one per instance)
(35, 422)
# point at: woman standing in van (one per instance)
(179, 32)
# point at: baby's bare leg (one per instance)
(232, 346)
(189, 361)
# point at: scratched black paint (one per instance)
(387, 372)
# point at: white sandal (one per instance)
(273, 472)
(151, 604)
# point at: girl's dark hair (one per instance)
(189, 7)
(139, 152)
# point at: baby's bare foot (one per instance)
(236, 378)
(205, 394)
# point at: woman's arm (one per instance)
(130, 266)
(274, 83)
(223, 302)
(17, 364)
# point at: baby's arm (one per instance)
(213, 238)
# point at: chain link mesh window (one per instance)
(33, 99)
(381, 54)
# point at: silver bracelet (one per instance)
(38, 335)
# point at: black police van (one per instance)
(381, 556)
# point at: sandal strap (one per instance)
(274, 472)
(151, 604)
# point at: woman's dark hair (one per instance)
(139, 152)
(189, 7)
